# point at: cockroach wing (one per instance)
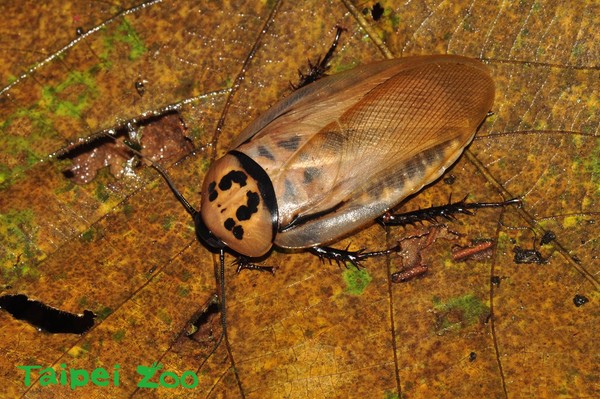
(322, 96)
(344, 150)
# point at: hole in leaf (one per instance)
(377, 11)
(46, 318)
(203, 325)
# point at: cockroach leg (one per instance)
(324, 64)
(243, 262)
(317, 71)
(342, 256)
(446, 211)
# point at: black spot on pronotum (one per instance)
(244, 212)
(235, 176)
(238, 232)
(212, 193)
(229, 224)
(253, 200)
(264, 152)
(290, 144)
(46, 318)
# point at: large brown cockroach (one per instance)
(340, 152)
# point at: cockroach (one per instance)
(340, 152)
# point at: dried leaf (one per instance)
(126, 250)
